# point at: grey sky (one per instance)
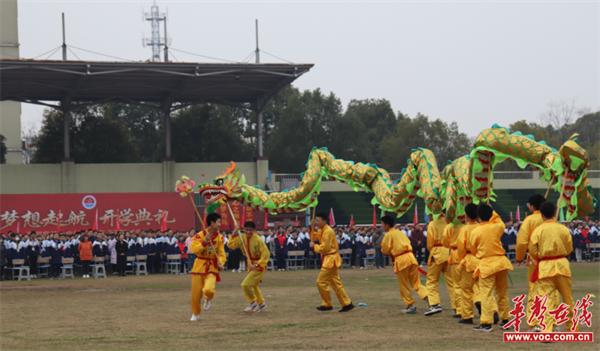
(473, 62)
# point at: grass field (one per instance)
(152, 313)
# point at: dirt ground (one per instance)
(152, 313)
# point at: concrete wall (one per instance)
(10, 111)
(108, 178)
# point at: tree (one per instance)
(144, 128)
(305, 120)
(587, 126)
(97, 134)
(375, 119)
(49, 142)
(444, 140)
(208, 133)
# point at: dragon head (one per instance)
(224, 187)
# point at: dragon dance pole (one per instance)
(562, 191)
(236, 226)
(197, 213)
(549, 187)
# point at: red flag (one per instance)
(518, 213)
(243, 216)
(352, 222)
(95, 224)
(163, 222)
(266, 220)
(331, 218)
(18, 227)
(374, 224)
(416, 215)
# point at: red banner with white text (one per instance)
(73, 212)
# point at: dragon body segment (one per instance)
(466, 179)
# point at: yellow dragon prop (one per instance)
(466, 179)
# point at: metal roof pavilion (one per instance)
(168, 85)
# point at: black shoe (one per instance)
(458, 316)
(503, 323)
(496, 318)
(478, 306)
(347, 308)
(466, 321)
(484, 328)
(324, 308)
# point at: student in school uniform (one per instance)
(121, 248)
(281, 250)
(85, 255)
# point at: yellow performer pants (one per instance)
(331, 277)
(202, 284)
(433, 282)
(453, 282)
(530, 294)
(408, 279)
(555, 288)
(250, 287)
(498, 282)
(467, 288)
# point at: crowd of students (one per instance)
(115, 247)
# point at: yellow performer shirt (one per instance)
(258, 251)
(327, 247)
(396, 244)
(549, 246)
(449, 238)
(435, 245)
(527, 227)
(465, 253)
(209, 256)
(487, 238)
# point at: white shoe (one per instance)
(251, 307)
(206, 304)
(195, 317)
(260, 307)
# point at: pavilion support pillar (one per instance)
(166, 111)
(168, 164)
(262, 164)
(67, 167)
(258, 107)
(66, 111)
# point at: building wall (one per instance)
(10, 111)
(109, 178)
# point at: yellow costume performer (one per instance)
(523, 238)
(449, 237)
(466, 267)
(257, 258)
(493, 267)
(396, 244)
(549, 246)
(331, 262)
(436, 263)
(210, 258)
